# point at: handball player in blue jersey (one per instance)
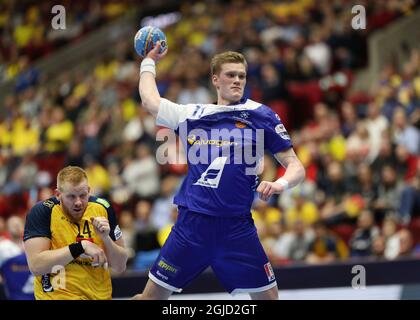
(223, 143)
(17, 278)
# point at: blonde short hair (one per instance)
(226, 57)
(71, 174)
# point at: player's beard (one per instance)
(72, 214)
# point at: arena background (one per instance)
(348, 93)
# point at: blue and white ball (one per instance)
(146, 39)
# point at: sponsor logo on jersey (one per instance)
(282, 132)
(240, 125)
(167, 267)
(117, 232)
(244, 115)
(243, 120)
(192, 140)
(269, 271)
(46, 283)
(211, 177)
(49, 203)
(161, 275)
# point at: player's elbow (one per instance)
(36, 269)
(38, 266)
(151, 105)
(120, 265)
(303, 173)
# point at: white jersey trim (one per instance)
(163, 284)
(171, 114)
(253, 290)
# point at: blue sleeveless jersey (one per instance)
(18, 280)
(225, 145)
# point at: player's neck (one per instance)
(225, 102)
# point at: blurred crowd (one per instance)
(361, 196)
(26, 33)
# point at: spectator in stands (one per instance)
(302, 209)
(405, 134)
(59, 132)
(293, 245)
(162, 207)
(141, 173)
(349, 118)
(391, 238)
(378, 247)
(386, 156)
(192, 91)
(389, 193)
(406, 243)
(410, 200)
(376, 124)
(126, 223)
(366, 232)
(325, 248)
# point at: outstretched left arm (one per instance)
(295, 173)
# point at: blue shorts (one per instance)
(230, 245)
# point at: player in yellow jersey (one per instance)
(71, 239)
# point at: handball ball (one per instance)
(146, 39)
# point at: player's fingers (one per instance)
(268, 192)
(157, 46)
(101, 259)
(95, 222)
(95, 262)
(266, 189)
(104, 261)
(261, 186)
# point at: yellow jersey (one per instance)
(78, 280)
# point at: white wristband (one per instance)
(148, 65)
(283, 182)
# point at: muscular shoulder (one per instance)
(267, 113)
(38, 219)
(100, 202)
(43, 209)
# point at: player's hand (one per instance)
(101, 226)
(154, 53)
(266, 189)
(98, 255)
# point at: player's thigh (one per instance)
(184, 255)
(243, 264)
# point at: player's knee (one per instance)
(270, 294)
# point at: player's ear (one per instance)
(57, 194)
(214, 80)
